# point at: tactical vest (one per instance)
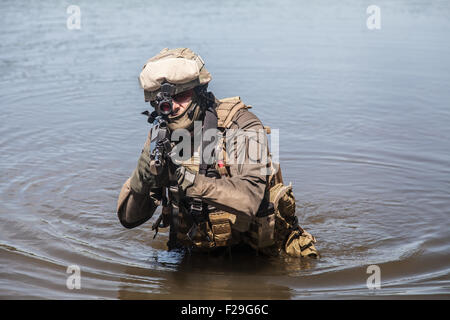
(270, 232)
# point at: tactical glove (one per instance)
(185, 178)
(143, 179)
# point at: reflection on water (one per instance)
(225, 277)
(363, 118)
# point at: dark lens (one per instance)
(165, 108)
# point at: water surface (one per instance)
(364, 124)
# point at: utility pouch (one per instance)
(262, 232)
(262, 228)
(301, 244)
(242, 223)
(210, 234)
(221, 227)
(283, 199)
(295, 241)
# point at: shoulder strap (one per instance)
(209, 122)
(226, 110)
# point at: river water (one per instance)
(364, 119)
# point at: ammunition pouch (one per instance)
(221, 228)
(216, 232)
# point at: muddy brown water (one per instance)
(364, 119)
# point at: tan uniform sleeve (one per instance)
(133, 209)
(242, 193)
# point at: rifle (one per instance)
(160, 155)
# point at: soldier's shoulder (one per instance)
(245, 119)
(235, 112)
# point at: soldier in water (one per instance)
(212, 195)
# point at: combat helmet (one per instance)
(181, 67)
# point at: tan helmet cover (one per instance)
(180, 66)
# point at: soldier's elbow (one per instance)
(136, 210)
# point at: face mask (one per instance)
(183, 121)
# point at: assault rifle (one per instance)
(160, 155)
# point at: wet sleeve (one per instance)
(243, 192)
(133, 209)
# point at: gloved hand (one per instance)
(143, 177)
(185, 178)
